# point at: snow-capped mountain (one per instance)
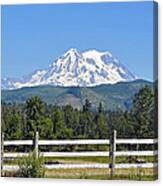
(89, 68)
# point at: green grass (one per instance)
(98, 174)
(102, 174)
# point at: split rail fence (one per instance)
(112, 153)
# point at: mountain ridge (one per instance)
(112, 96)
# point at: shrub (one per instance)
(31, 167)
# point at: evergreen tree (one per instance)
(45, 128)
(100, 108)
(141, 113)
(102, 130)
(86, 106)
(34, 114)
(59, 129)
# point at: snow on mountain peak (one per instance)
(72, 50)
(74, 68)
(93, 53)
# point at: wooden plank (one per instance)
(11, 167)
(137, 141)
(36, 147)
(75, 154)
(75, 142)
(97, 165)
(102, 165)
(60, 154)
(113, 151)
(18, 142)
(15, 154)
(136, 153)
(132, 165)
(73, 166)
(2, 153)
(86, 153)
(81, 142)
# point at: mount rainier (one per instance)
(86, 69)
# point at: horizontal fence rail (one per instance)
(18, 142)
(97, 165)
(136, 141)
(74, 142)
(80, 142)
(60, 154)
(112, 153)
(136, 153)
(84, 154)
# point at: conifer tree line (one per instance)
(20, 121)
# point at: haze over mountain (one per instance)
(86, 69)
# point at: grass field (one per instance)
(100, 174)
(131, 174)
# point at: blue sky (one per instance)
(34, 35)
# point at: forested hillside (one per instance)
(112, 96)
(21, 120)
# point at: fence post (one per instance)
(36, 148)
(2, 153)
(113, 151)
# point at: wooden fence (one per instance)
(112, 153)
